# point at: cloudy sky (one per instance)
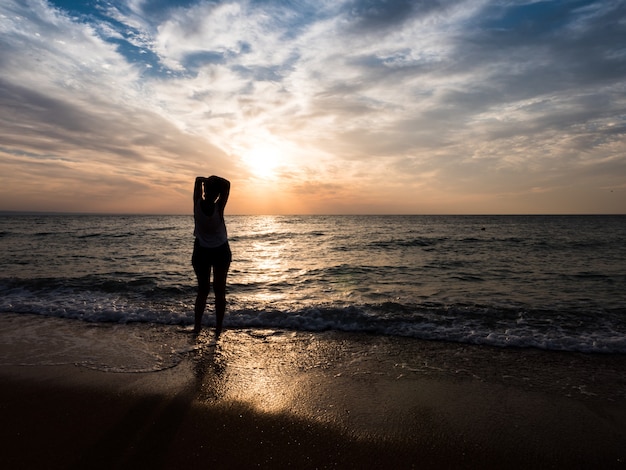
(314, 106)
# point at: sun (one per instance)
(263, 160)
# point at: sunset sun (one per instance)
(263, 161)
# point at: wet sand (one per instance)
(272, 399)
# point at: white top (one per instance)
(210, 230)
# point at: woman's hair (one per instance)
(211, 191)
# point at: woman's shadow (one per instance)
(142, 438)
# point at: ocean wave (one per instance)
(106, 235)
(405, 243)
(264, 236)
(472, 325)
(493, 325)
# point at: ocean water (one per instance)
(548, 282)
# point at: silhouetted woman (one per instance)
(210, 249)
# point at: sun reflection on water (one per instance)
(263, 262)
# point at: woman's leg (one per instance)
(201, 298)
(220, 274)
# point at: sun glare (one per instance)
(263, 161)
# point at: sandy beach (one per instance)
(276, 399)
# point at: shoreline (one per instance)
(273, 399)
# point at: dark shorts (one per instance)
(204, 258)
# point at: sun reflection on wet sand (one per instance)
(352, 386)
(247, 370)
(316, 377)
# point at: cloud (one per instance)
(461, 103)
(75, 115)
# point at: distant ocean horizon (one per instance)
(347, 214)
(550, 282)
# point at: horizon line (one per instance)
(373, 214)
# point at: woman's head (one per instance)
(211, 190)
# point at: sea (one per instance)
(123, 283)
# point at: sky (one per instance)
(314, 106)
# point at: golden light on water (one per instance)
(266, 257)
